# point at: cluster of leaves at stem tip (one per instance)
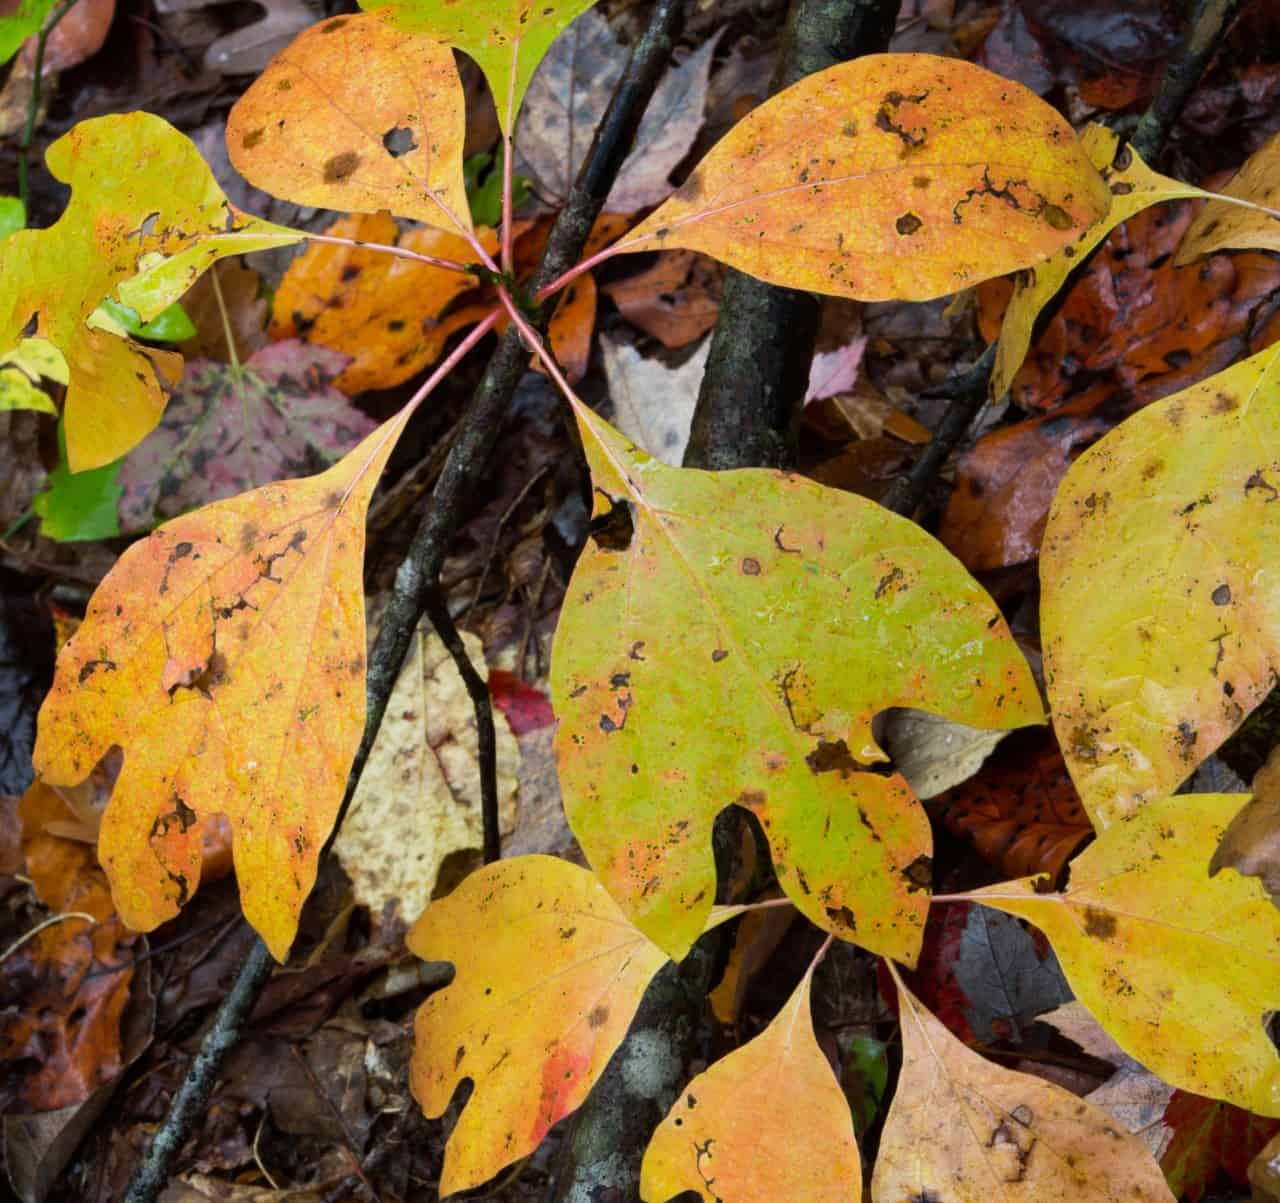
(225, 651)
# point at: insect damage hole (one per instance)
(399, 140)
(613, 531)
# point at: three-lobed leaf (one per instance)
(1160, 617)
(900, 176)
(728, 638)
(1161, 953)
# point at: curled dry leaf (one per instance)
(224, 653)
(293, 134)
(1161, 953)
(814, 611)
(860, 181)
(418, 800)
(1161, 623)
(147, 232)
(1251, 842)
(1224, 226)
(966, 1130)
(768, 1122)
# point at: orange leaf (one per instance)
(863, 181)
(572, 325)
(677, 300)
(224, 653)
(768, 1122)
(356, 114)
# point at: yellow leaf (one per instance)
(1223, 226)
(356, 114)
(142, 201)
(1160, 610)
(775, 619)
(967, 1131)
(893, 176)
(549, 975)
(767, 1123)
(1180, 968)
(224, 654)
(1134, 187)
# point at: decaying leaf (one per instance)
(1162, 953)
(933, 753)
(1251, 842)
(768, 1122)
(861, 181)
(653, 403)
(145, 219)
(1210, 1138)
(224, 653)
(812, 610)
(418, 800)
(1161, 623)
(1224, 226)
(549, 975)
(966, 1130)
(228, 429)
(677, 300)
(361, 115)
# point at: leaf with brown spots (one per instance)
(146, 217)
(728, 638)
(549, 974)
(1224, 226)
(861, 181)
(1160, 614)
(357, 114)
(1180, 968)
(224, 654)
(964, 1130)
(766, 1123)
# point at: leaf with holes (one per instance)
(861, 181)
(357, 114)
(549, 975)
(146, 217)
(224, 654)
(767, 1122)
(1224, 226)
(1162, 954)
(813, 611)
(968, 1131)
(1160, 617)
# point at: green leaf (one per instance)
(13, 215)
(729, 638)
(170, 325)
(865, 1079)
(26, 22)
(507, 38)
(483, 174)
(79, 505)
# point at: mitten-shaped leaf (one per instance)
(1181, 968)
(1133, 187)
(507, 38)
(225, 654)
(143, 204)
(729, 637)
(967, 1131)
(356, 114)
(765, 1123)
(892, 176)
(1159, 608)
(549, 975)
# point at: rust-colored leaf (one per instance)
(676, 300)
(1209, 1138)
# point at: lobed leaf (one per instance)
(728, 638)
(893, 176)
(963, 1129)
(224, 654)
(549, 975)
(767, 1122)
(358, 114)
(1224, 226)
(1160, 616)
(1180, 968)
(1133, 187)
(142, 201)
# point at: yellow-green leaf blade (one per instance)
(1224, 226)
(892, 176)
(356, 114)
(224, 654)
(1133, 187)
(966, 1130)
(549, 975)
(1159, 609)
(767, 1122)
(735, 649)
(1181, 968)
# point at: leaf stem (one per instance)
(33, 105)
(508, 167)
(39, 927)
(232, 353)
(399, 252)
(575, 271)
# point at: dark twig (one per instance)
(419, 572)
(33, 105)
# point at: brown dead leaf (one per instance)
(676, 300)
(1251, 843)
(246, 308)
